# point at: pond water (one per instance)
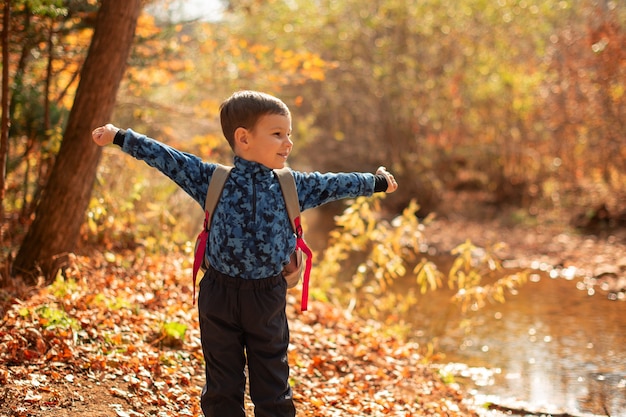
(554, 347)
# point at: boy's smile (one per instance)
(268, 143)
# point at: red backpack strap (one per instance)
(214, 191)
(301, 244)
(290, 194)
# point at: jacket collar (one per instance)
(252, 170)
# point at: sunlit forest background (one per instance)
(519, 103)
(507, 113)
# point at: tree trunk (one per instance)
(60, 213)
(4, 123)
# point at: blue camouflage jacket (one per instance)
(251, 236)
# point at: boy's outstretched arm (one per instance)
(392, 185)
(104, 135)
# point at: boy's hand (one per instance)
(392, 185)
(104, 135)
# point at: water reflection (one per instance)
(553, 346)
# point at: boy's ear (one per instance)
(241, 137)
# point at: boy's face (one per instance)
(268, 143)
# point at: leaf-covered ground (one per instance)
(107, 340)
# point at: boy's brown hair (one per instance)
(245, 108)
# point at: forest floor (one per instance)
(95, 345)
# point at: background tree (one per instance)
(60, 212)
(49, 42)
(4, 123)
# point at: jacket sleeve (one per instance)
(315, 189)
(188, 171)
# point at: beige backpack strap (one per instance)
(214, 191)
(218, 179)
(290, 193)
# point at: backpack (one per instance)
(294, 270)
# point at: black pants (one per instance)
(244, 320)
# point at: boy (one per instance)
(242, 296)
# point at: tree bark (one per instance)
(4, 120)
(60, 213)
